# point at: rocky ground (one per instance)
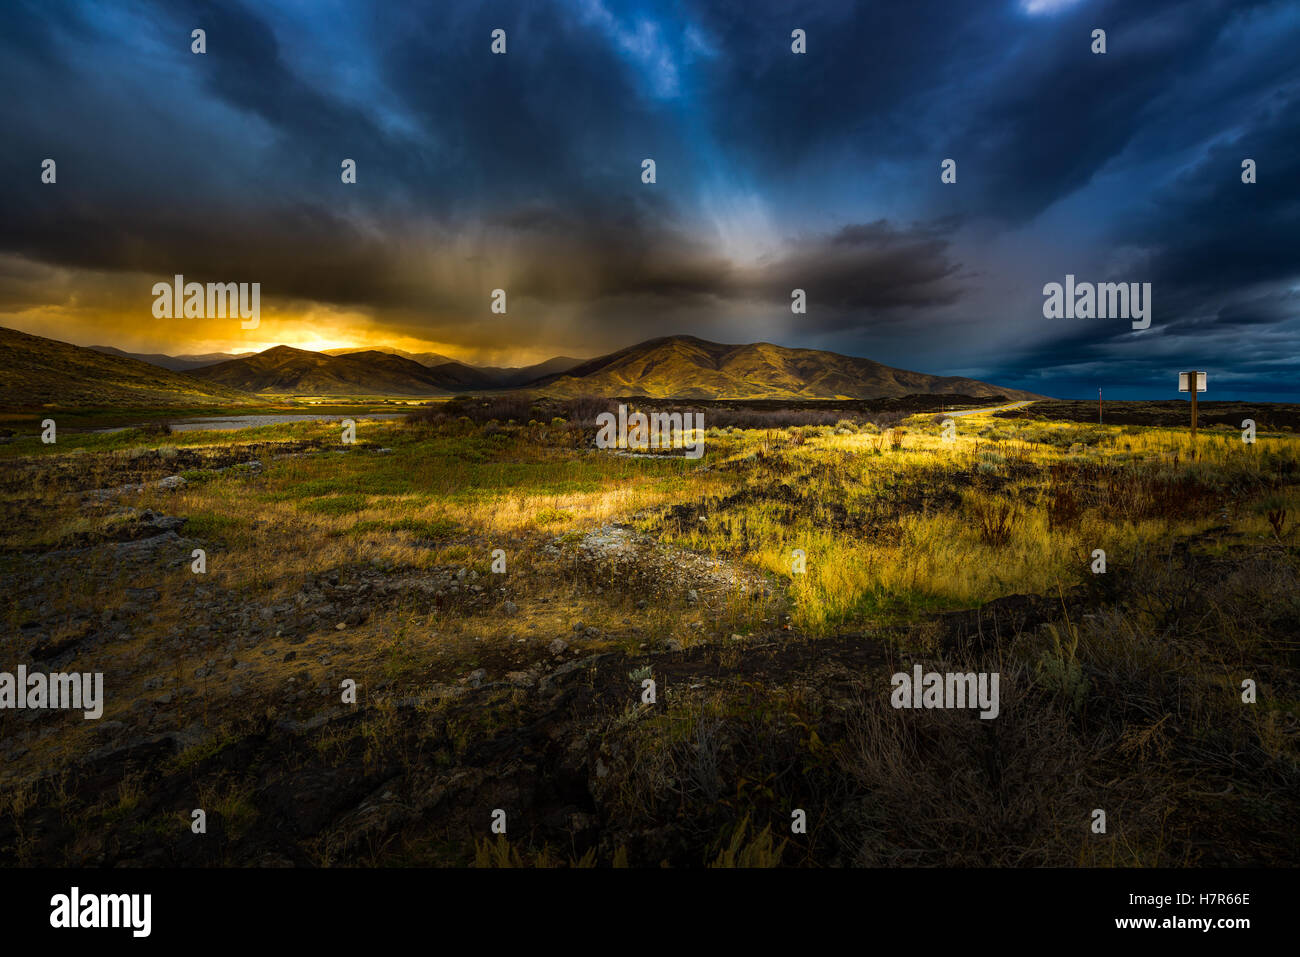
(524, 693)
(184, 666)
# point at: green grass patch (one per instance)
(435, 528)
(210, 525)
(336, 504)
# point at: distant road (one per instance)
(993, 408)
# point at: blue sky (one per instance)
(774, 170)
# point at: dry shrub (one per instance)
(945, 787)
(996, 522)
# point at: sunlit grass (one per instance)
(891, 524)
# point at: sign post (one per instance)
(1192, 382)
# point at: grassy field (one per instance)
(480, 689)
(15, 421)
(1170, 413)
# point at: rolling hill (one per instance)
(687, 367)
(286, 370)
(424, 358)
(462, 374)
(38, 372)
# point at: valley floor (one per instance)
(500, 593)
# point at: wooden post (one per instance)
(1193, 381)
(1099, 407)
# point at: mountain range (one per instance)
(43, 371)
(687, 367)
(451, 376)
(283, 369)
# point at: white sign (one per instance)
(1183, 383)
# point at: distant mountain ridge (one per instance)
(424, 358)
(182, 363)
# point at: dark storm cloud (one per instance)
(492, 132)
(1261, 310)
(870, 266)
(1212, 232)
(643, 252)
(1056, 113)
(1221, 260)
(550, 194)
(1028, 111)
(775, 171)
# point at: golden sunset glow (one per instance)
(112, 311)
